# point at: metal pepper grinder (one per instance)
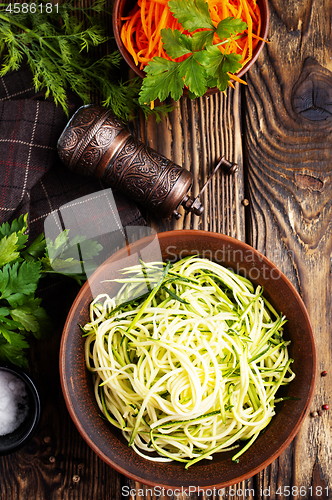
(95, 143)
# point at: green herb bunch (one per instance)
(21, 268)
(205, 65)
(62, 53)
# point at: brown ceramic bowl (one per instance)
(123, 7)
(109, 444)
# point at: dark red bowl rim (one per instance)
(113, 449)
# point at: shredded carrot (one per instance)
(237, 79)
(141, 29)
(248, 20)
(143, 17)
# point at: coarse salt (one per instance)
(13, 402)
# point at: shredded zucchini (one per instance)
(191, 368)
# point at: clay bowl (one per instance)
(109, 444)
(123, 7)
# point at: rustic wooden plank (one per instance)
(195, 135)
(288, 140)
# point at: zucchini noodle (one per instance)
(191, 368)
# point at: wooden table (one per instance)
(278, 130)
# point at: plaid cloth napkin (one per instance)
(33, 180)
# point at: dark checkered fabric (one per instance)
(32, 178)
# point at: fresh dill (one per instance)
(62, 48)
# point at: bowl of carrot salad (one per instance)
(138, 27)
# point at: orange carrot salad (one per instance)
(141, 36)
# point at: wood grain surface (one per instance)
(195, 135)
(288, 152)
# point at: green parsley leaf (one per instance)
(200, 39)
(14, 338)
(36, 250)
(232, 63)
(65, 256)
(17, 226)
(165, 80)
(222, 81)
(191, 14)
(55, 247)
(8, 249)
(175, 43)
(65, 248)
(12, 239)
(13, 354)
(24, 316)
(62, 266)
(218, 65)
(11, 324)
(88, 248)
(19, 279)
(194, 74)
(230, 26)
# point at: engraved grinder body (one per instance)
(96, 143)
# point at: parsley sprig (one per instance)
(21, 268)
(205, 66)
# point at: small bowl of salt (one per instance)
(19, 408)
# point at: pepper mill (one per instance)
(96, 143)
